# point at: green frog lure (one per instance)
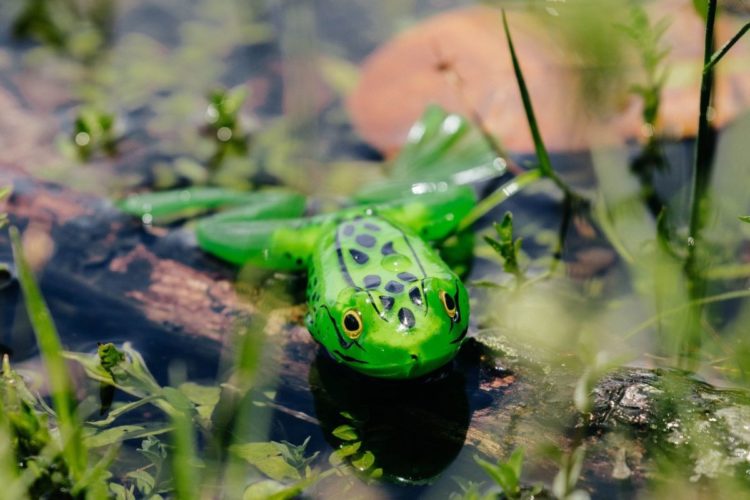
(380, 298)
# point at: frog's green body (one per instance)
(390, 281)
(381, 300)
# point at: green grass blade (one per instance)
(51, 351)
(184, 458)
(545, 164)
(541, 151)
(716, 57)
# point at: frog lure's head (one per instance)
(404, 334)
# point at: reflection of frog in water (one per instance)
(381, 300)
(413, 429)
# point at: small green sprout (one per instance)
(75, 28)
(224, 123)
(109, 356)
(566, 479)
(744, 218)
(362, 461)
(652, 50)
(507, 475)
(94, 131)
(506, 246)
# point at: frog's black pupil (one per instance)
(351, 322)
(449, 303)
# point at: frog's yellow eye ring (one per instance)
(449, 304)
(352, 323)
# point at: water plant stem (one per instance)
(703, 147)
(722, 51)
(701, 176)
(498, 196)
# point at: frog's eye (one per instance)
(448, 303)
(352, 323)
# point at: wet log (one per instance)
(106, 277)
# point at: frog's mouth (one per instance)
(412, 367)
(458, 339)
(349, 359)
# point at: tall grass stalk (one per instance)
(61, 386)
(184, 457)
(545, 164)
(701, 177)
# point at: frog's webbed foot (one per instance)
(442, 150)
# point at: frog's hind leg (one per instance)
(280, 244)
(434, 215)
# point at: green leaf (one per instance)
(744, 218)
(505, 475)
(345, 432)
(272, 490)
(376, 473)
(263, 490)
(123, 433)
(120, 492)
(268, 458)
(48, 340)
(349, 449)
(701, 7)
(338, 456)
(364, 462)
(201, 394)
(516, 461)
(143, 480)
(130, 375)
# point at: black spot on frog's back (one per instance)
(416, 296)
(366, 240)
(406, 276)
(371, 281)
(394, 287)
(406, 317)
(358, 256)
(387, 302)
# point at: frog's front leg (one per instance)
(166, 206)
